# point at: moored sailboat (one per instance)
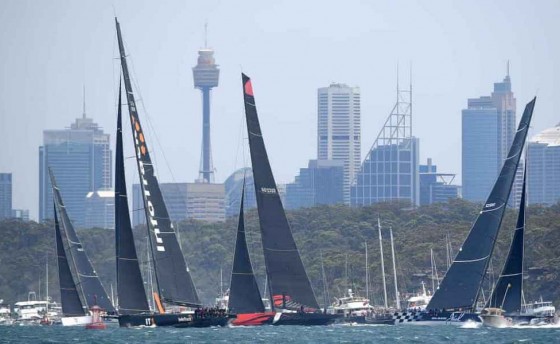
(455, 299)
(292, 297)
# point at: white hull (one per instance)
(76, 321)
(497, 321)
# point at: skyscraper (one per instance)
(488, 130)
(390, 169)
(206, 75)
(338, 129)
(233, 186)
(543, 167)
(5, 195)
(80, 158)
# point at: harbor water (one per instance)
(282, 334)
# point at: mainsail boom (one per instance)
(288, 282)
(174, 281)
(460, 287)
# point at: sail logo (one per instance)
(489, 205)
(270, 191)
(141, 149)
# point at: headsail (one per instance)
(69, 297)
(244, 295)
(173, 278)
(90, 285)
(130, 287)
(509, 288)
(461, 284)
(288, 282)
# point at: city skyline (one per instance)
(448, 67)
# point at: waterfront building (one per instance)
(20, 214)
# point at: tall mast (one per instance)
(382, 262)
(47, 282)
(325, 289)
(398, 301)
(367, 273)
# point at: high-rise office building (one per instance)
(390, 169)
(543, 167)
(5, 195)
(436, 187)
(233, 186)
(338, 129)
(321, 183)
(488, 130)
(80, 158)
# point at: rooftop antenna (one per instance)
(84, 101)
(206, 34)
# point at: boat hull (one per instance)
(176, 320)
(76, 321)
(304, 319)
(378, 319)
(433, 318)
(253, 319)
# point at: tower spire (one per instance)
(206, 34)
(507, 70)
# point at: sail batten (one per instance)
(175, 284)
(461, 285)
(288, 282)
(130, 287)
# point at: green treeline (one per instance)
(336, 232)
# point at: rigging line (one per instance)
(150, 126)
(471, 260)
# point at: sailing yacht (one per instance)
(454, 301)
(244, 295)
(90, 288)
(292, 297)
(176, 294)
(504, 307)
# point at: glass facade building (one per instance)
(436, 187)
(322, 182)
(5, 195)
(233, 186)
(80, 158)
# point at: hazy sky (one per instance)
(458, 49)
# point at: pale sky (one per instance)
(458, 49)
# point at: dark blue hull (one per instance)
(304, 319)
(175, 320)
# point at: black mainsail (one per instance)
(69, 297)
(174, 281)
(460, 287)
(288, 282)
(92, 290)
(508, 291)
(130, 287)
(244, 295)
